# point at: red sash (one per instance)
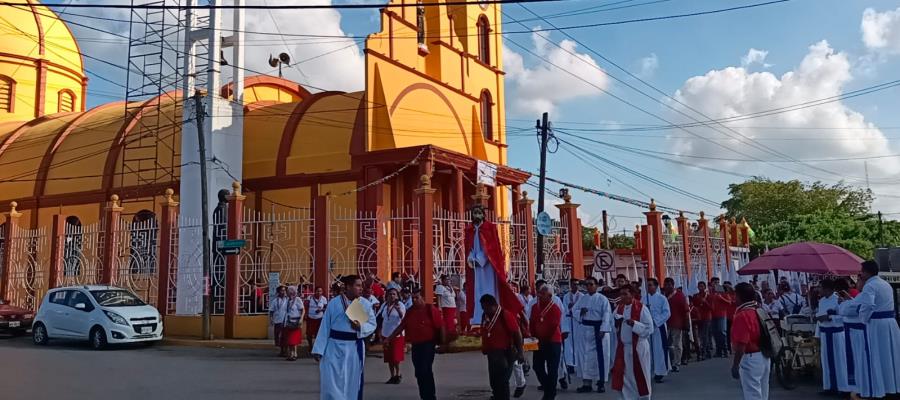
(618, 378)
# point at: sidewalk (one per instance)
(463, 344)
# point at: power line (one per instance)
(157, 6)
(448, 33)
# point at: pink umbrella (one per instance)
(810, 257)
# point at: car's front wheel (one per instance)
(39, 334)
(98, 338)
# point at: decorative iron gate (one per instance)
(556, 250)
(137, 258)
(673, 253)
(449, 245)
(29, 259)
(353, 240)
(82, 261)
(276, 243)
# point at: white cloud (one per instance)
(881, 31)
(823, 73)
(755, 56)
(649, 65)
(331, 63)
(545, 85)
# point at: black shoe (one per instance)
(675, 368)
(658, 379)
(519, 391)
(601, 388)
(584, 389)
(563, 384)
(399, 378)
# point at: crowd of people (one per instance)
(626, 335)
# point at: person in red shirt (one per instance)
(501, 342)
(730, 310)
(678, 321)
(424, 330)
(545, 326)
(702, 304)
(720, 303)
(749, 365)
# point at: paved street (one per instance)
(72, 371)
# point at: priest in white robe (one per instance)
(831, 336)
(631, 368)
(339, 346)
(658, 306)
(568, 322)
(593, 315)
(875, 307)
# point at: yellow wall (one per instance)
(21, 38)
(437, 102)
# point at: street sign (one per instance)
(230, 251)
(230, 244)
(487, 173)
(544, 223)
(604, 261)
(274, 282)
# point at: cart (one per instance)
(799, 355)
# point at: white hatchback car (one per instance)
(102, 314)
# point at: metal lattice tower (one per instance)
(151, 151)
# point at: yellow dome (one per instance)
(41, 69)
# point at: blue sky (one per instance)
(684, 49)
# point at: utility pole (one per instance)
(605, 231)
(880, 230)
(204, 212)
(543, 126)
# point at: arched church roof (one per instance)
(286, 130)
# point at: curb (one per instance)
(254, 345)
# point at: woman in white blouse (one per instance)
(317, 303)
(392, 314)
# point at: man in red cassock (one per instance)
(486, 273)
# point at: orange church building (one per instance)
(94, 192)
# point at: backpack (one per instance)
(769, 338)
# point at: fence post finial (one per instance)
(236, 188)
(652, 205)
(114, 199)
(425, 180)
(702, 215)
(12, 209)
(681, 214)
(524, 195)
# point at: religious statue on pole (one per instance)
(486, 272)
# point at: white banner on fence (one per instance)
(487, 173)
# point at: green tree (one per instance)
(764, 201)
(858, 234)
(621, 241)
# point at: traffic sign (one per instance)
(544, 223)
(604, 261)
(231, 244)
(230, 251)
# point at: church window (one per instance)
(487, 120)
(420, 24)
(73, 246)
(144, 231)
(66, 101)
(7, 93)
(484, 41)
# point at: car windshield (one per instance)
(116, 298)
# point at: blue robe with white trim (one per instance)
(659, 340)
(834, 350)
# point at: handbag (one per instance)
(291, 323)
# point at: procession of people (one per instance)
(627, 336)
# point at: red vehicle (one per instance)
(14, 320)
